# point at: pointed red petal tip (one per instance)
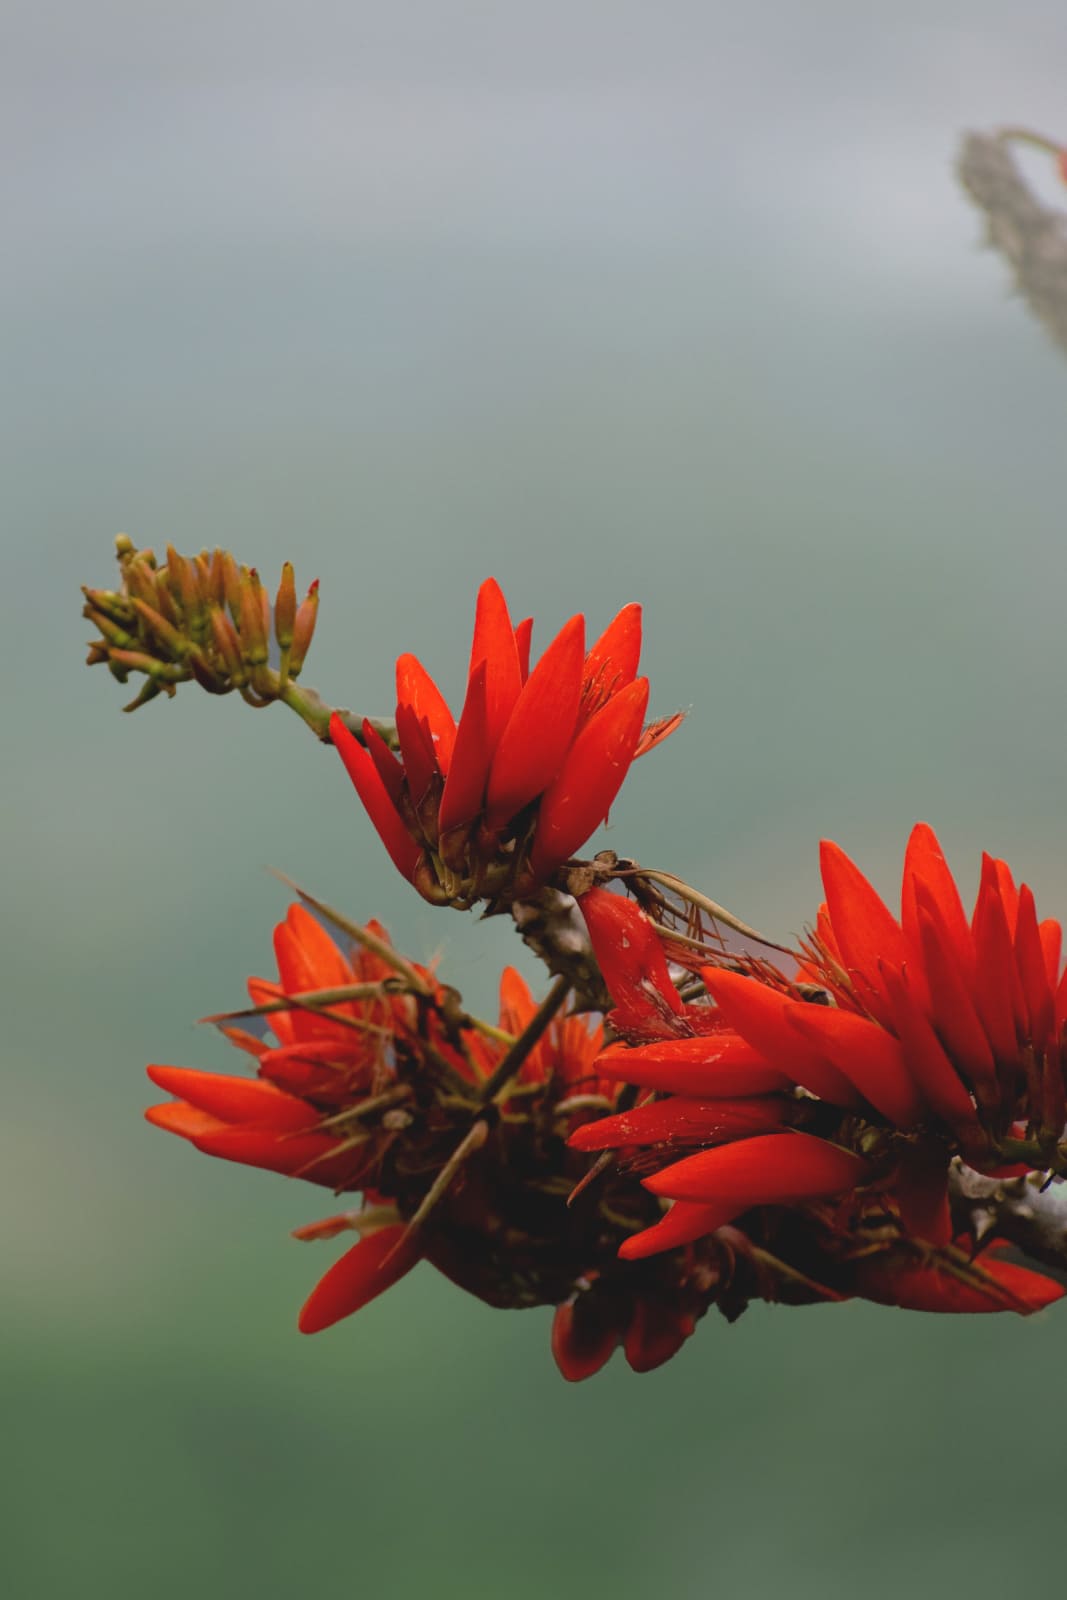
(770, 1169)
(927, 879)
(374, 795)
(417, 690)
(592, 773)
(612, 662)
(865, 929)
(233, 1100)
(585, 1334)
(373, 1265)
(303, 1155)
(686, 1221)
(176, 1116)
(494, 643)
(540, 728)
(630, 954)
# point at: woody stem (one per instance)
(529, 1036)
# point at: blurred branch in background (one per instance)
(1031, 236)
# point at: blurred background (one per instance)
(675, 303)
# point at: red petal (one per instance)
(304, 1155)
(929, 1288)
(612, 662)
(585, 1334)
(762, 1016)
(1009, 894)
(494, 643)
(516, 1002)
(307, 956)
(387, 765)
(929, 1066)
(995, 975)
(175, 1116)
(234, 1100)
(540, 728)
(685, 1221)
(1033, 974)
(523, 636)
(591, 776)
(771, 1169)
(865, 930)
(361, 769)
(377, 1262)
(683, 1120)
(866, 1055)
(926, 869)
(416, 752)
(1051, 944)
(958, 1024)
(464, 789)
(656, 1333)
(415, 688)
(630, 954)
(715, 1066)
(261, 992)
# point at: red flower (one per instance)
(494, 804)
(945, 1037)
(964, 1017)
(373, 1077)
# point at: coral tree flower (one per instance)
(491, 805)
(945, 1036)
(370, 1083)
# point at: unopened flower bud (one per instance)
(139, 576)
(115, 606)
(231, 580)
(136, 660)
(170, 637)
(113, 633)
(254, 647)
(285, 608)
(216, 585)
(227, 645)
(186, 589)
(304, 629)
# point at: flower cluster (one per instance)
(199, 617)
(453, 1130)
(490, 806)
(729, 1130)
(844, 1093)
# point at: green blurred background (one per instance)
(614, 301)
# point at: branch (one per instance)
(1030, 236)
(1021, 1210)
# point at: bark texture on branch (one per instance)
(1021, 1210)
